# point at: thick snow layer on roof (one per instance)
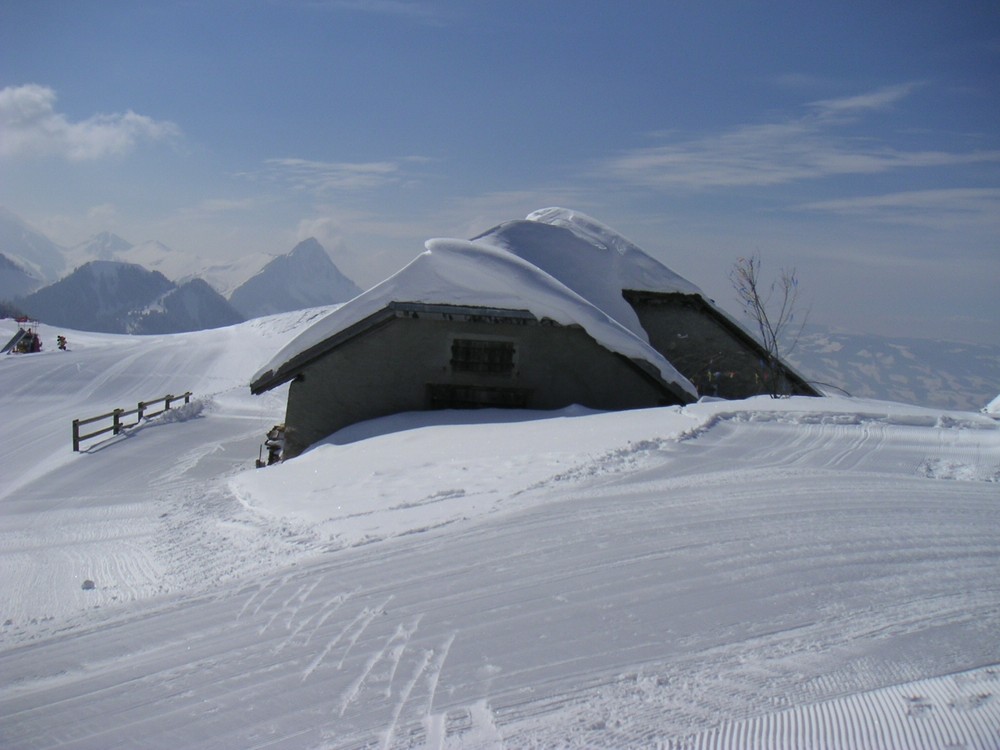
(590, 258)
(596, 262)
(993, 407)
(459, 272)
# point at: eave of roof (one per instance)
(294, 365)
(290, 369)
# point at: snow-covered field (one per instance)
(782, 574)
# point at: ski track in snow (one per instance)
(760, 575)
(707, 677)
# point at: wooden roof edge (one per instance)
(294, 365)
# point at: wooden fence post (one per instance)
(117, 424)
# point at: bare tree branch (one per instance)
(773, 311)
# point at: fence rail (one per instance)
(118, 417)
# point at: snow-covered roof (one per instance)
(993, 408)
(599, 264)
(590, 258)
(479, 274)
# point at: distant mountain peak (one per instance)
(15, 279)
(191, 306)
(104, 245)
(29, 248)
(304, 277)
(310, 244)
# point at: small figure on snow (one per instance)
(30, 343)
(275, 444)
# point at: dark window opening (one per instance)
(476, 355)
(448, 396)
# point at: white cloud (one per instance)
(322, 176)
(940, 209)
(31, 126)
(873, 100)
(801, 81)
(105, 213)
(227, 205)
(801, 148)
(327, 231)
(219, 210)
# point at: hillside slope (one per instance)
(767, 571)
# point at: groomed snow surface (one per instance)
(803, 573)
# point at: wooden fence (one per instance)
(118, 417)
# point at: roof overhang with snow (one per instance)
(288, 370)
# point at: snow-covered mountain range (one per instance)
(108, 284)
(116, 297)
(944, 374)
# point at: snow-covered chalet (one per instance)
(543, 313)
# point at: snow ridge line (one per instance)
(626, 457)
(848, 418)
(612, 462)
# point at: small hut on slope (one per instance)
(464, 325)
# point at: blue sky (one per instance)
(859, 143)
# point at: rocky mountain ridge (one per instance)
(115, 286)
(114, 297)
